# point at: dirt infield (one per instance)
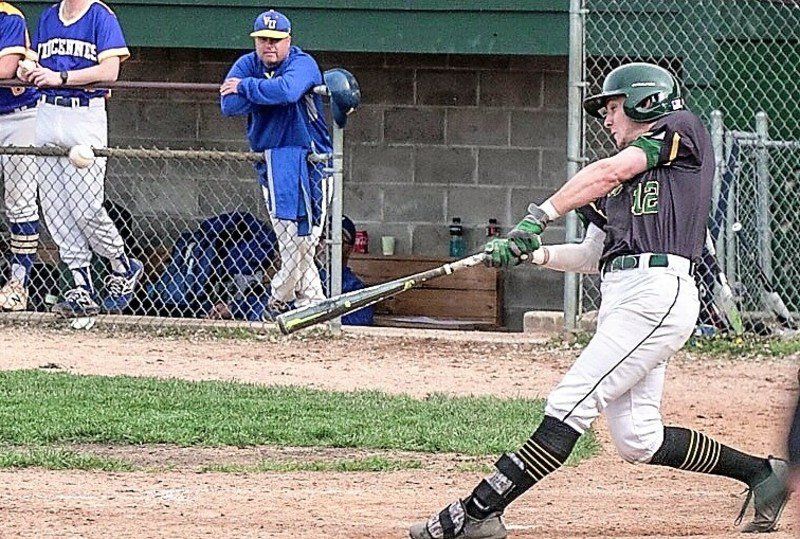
(743, 403)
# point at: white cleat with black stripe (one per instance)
(453, 522)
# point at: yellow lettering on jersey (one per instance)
(673, 152)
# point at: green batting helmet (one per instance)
(650, 92)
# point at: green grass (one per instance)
(44, 408)
(747, 345)
(59, 459)
(369, 464)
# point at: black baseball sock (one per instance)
(543, 453)
(692, 451)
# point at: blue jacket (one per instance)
(222, 249)
(286, 121)
(281, 108)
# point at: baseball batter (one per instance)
(285, 119)
(655, 197)
(17, 128)
(80, 42)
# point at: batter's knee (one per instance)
(634, 454)
(637, 445)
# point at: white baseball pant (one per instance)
(646, 315)
(72, 198)
(298, 278)
(19, 171)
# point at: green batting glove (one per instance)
(498, 254)
(524, 238)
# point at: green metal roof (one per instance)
(421, 26)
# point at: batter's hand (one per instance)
(230, 86)
(524, 238)
(43, 77)
(501, 253)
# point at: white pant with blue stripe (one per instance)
(298, 278)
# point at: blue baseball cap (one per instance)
(272, 24)
(348, 230)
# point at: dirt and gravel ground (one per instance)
(745, 403)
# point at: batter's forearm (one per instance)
(597, 180)
(581, 257)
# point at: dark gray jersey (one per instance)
(664, 209)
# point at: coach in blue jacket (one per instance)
(273, 86)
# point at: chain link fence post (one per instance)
(336, 220)
(574, 137)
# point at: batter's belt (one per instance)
(649, 260)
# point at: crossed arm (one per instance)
(240, 92)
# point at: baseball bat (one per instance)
(330, 308)
(722, 295)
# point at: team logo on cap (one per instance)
(270, 22)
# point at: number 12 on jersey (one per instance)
(645, 198)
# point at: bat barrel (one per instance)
(328, 309)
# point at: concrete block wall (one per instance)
(437, 137)
(443, 136)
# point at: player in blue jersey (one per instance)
(17, 128)
(285, 119)
(78, 43)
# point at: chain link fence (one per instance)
(741, 59)
(196, 220)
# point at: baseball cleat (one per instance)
(274, 308)
(769, 499)
(13, 296)
(83, 323)
(120, 288)
(453, 521)
(78, 303)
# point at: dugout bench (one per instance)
(471, 299)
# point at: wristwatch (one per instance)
(64, 77)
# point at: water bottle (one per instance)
(458, 248)
(492, 229)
